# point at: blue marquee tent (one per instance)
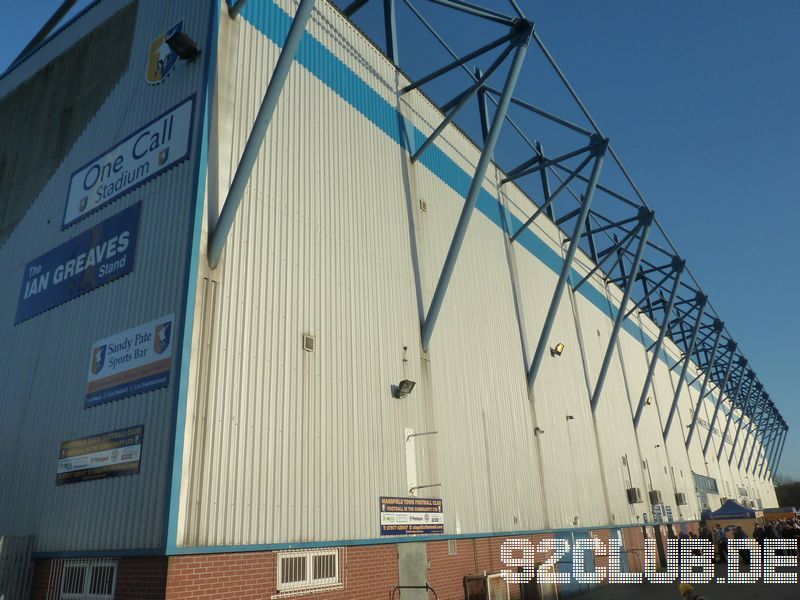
(732, 510)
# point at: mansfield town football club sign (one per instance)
(141, 156)
(87, 261)
(106, 455)
(411, 516)
(131, 362)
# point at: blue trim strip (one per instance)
(269, 19)
(325, 544)
(100, 553)
(128, 389)
(400, 540)
(193, 269)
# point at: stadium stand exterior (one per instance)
(172, 430)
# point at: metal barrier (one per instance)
(16, 568)
(414, 587)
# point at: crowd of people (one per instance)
(772, 530)
(787, 529)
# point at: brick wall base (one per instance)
(366, 572)
(138, 578)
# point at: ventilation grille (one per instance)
(309, 342)
(308, 570)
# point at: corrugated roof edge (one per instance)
(12, 67)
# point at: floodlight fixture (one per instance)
(184, 46)
(404, 388)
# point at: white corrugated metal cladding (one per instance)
(46, 358)
(339, 237)
(283, 445)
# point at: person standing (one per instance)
(744, 555)
(722, 543)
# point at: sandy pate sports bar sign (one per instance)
(141, 156)
(131, 362)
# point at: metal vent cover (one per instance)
(309, 342)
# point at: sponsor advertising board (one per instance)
(130, 362)
(99, 456)
(411, 516)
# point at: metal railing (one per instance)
(414, 587)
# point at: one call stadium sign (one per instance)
(141, 156)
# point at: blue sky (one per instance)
(701, 100)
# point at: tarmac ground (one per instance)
(711, 591)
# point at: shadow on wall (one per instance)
(45, 115)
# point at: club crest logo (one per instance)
(163, 156)
(162, 59)
(84, 201)
(162, 337)
(98, 359)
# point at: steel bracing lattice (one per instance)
(612, 224)
(626, 242)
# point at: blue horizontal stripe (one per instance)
(401, 540)
(129, 388)
(331, 543)
(100, 553)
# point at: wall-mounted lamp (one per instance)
(403, 388)
(649, 401)
(558, 349)
(576, 519)
(538, 430)
(570, 418)
(658, 445)
(182, 45)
